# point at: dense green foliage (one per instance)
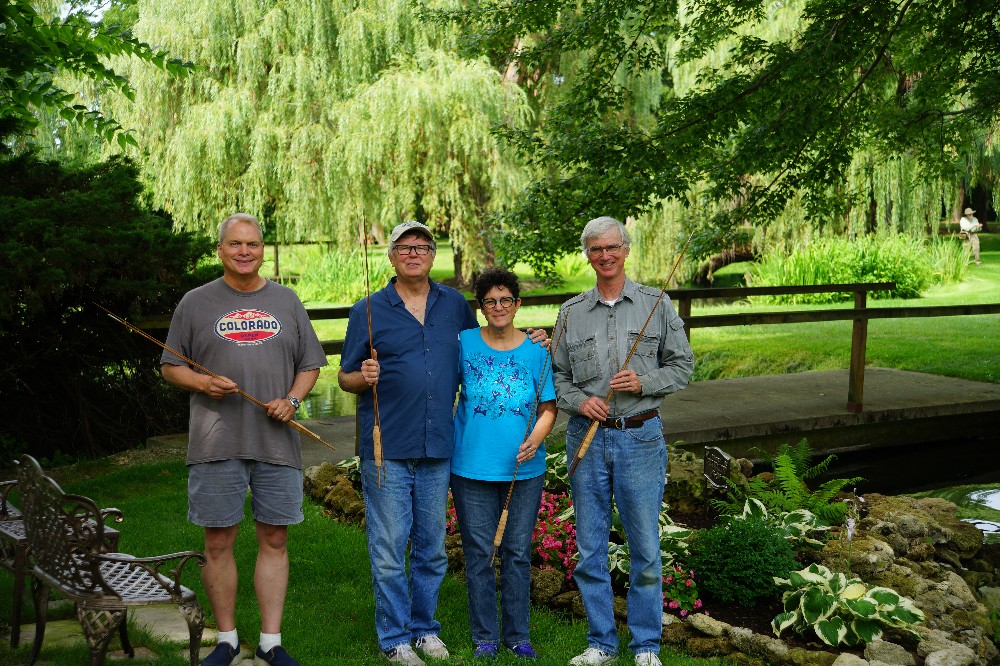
(736, 110)
(339, 277)
(77, 382)
(737, 560)
(914, 265)
(35, 46)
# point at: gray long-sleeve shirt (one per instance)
(597, 339)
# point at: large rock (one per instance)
(958, 655)
(318, 478)
(545, 585)
(889, 653)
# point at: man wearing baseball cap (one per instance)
(970, 229)
(415, 323)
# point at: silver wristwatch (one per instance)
(296, 403)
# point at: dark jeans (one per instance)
(479, 505)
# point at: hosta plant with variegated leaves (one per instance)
(841, 610)
(801, 527)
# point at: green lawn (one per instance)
(329, 617)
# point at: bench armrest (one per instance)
(5, 506)
(170, 580)
(113, 513)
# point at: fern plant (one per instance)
(787, 490)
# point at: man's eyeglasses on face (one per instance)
(491, 303)
(596, 250)
(421, 250)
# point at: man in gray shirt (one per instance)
(257, 335)
(627, 459)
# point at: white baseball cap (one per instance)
(408, 227)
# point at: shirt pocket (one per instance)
(583, 360)
(648, 345)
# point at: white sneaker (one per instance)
(403, 654)
(432, 647)
(647, 659)
(592, 657)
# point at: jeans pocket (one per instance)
(650, 432)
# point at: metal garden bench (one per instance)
(67, 550)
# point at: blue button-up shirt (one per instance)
(418, 378)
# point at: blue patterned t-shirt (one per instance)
(496, 402)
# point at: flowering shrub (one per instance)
(680, 593)
(554, 538)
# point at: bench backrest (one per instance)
(64, 532)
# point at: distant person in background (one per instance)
(256, 334)
(970, 231)
(502, 373)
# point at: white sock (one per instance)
(229, 637)
(268, 641)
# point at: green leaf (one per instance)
(816, 604)
(861, 607)
(783, 621)
(884, 596)
(905, 615)
(867, 630)
(831, 631)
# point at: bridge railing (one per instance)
(860, 314)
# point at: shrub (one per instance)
(74, 381)
(911, 263)
(786, 490)
(738, 560)
(338, 277)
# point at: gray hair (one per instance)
(239, 217)
(600, 226)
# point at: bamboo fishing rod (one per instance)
(589, 437)
(135, 329)
(377, 427)
(502, 525)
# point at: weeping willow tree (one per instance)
(318, 116)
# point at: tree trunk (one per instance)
(706, 269)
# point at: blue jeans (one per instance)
(630, 465)
(479, 505)
(410, 506)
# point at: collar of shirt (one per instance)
(593, 297)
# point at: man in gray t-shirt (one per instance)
(255, 334)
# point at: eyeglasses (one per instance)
(596, 250)
(505, 302)
(421, 250)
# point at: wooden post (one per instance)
(859, 344)
(684, 310)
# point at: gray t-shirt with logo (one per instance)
(261, 340)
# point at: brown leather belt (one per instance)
(623, 422)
